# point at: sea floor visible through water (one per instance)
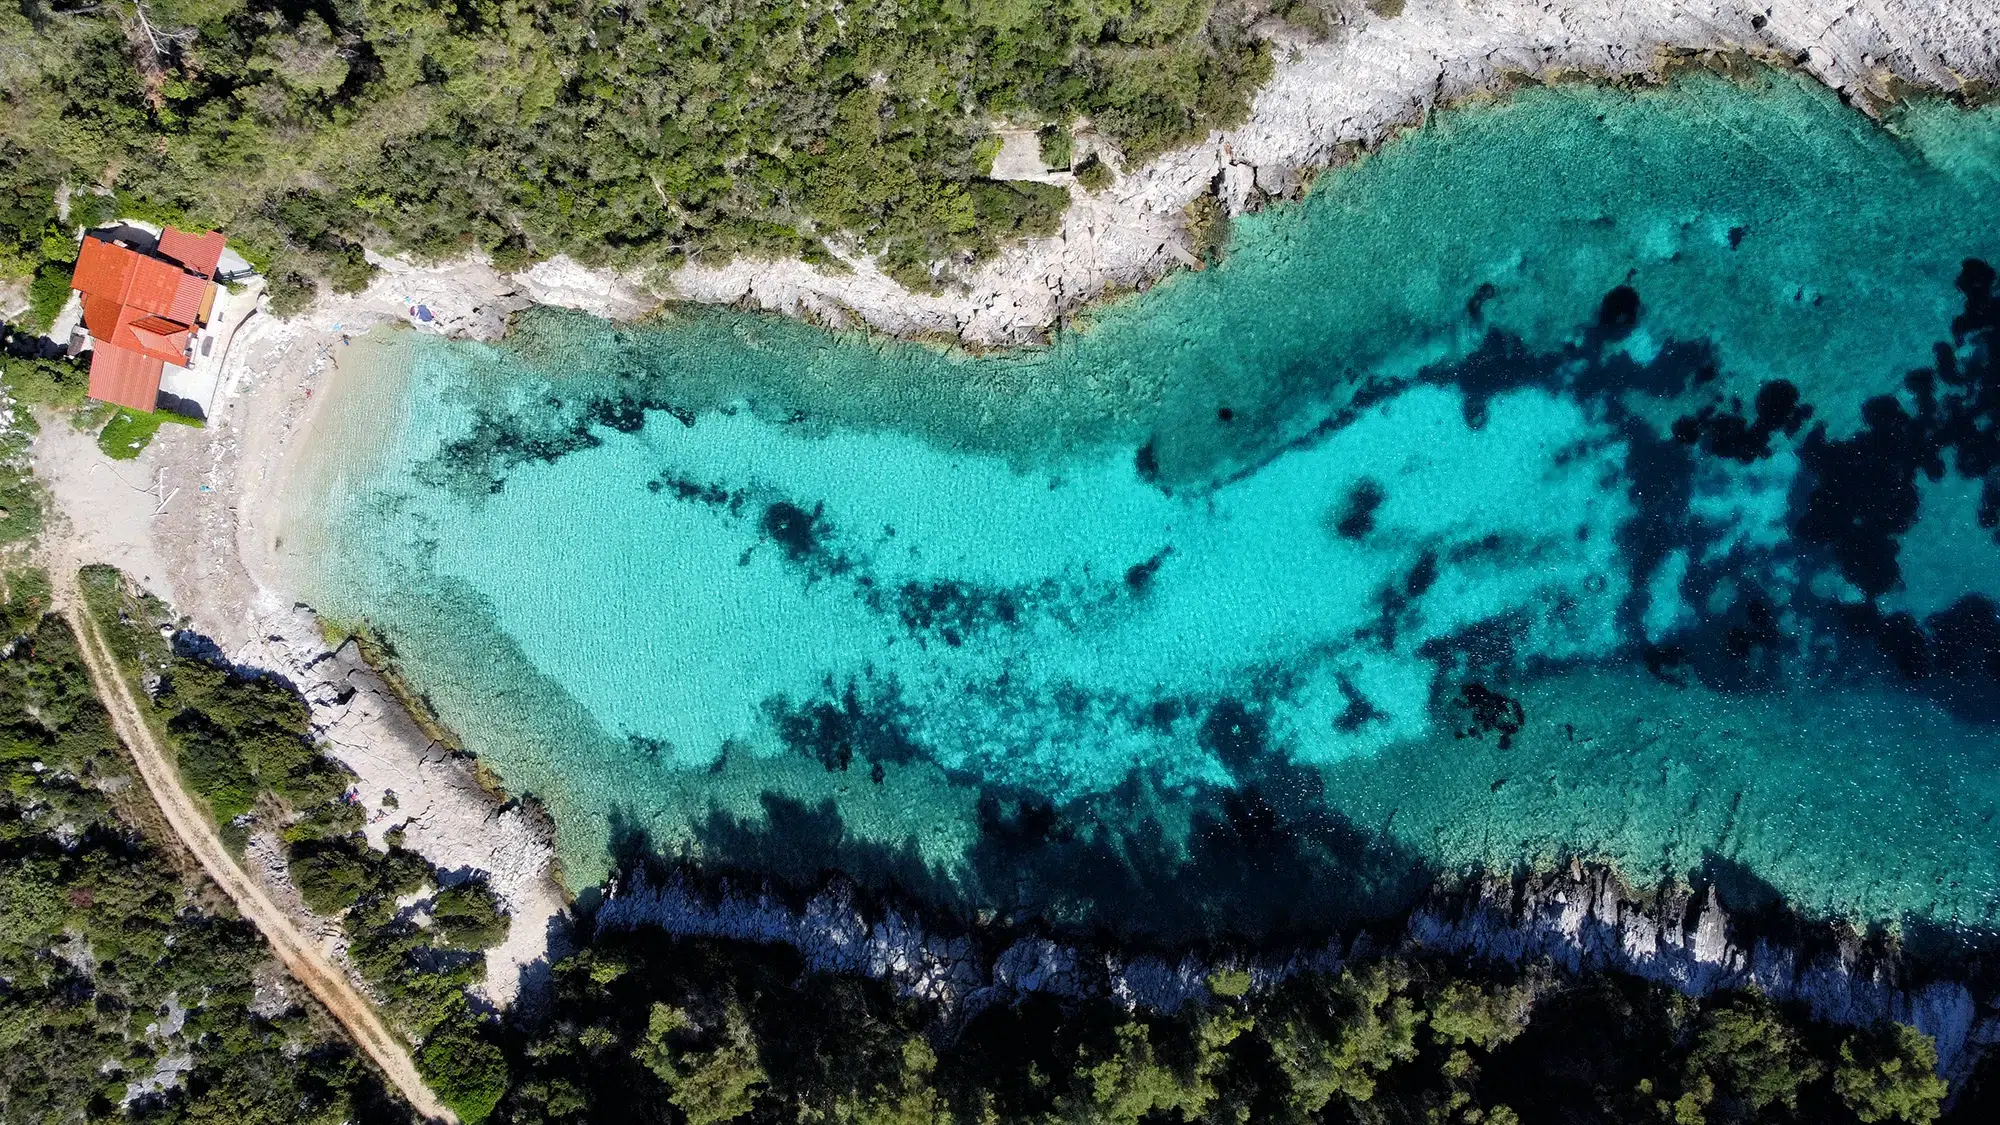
(1596, 472)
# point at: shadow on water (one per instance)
(1265, 860)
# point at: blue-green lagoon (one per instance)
(1596, 472)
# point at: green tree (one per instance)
(1361, 1027)
(1891, 1075)
(912, 1100)
(712, 1078)
(467, 916)
(330, 876)
(1463, 1013)
(1131, 1080)
(1229, 983)
(1751, 1053)
(465, 1070)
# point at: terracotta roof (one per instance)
(125, 377)
(188, 292)
(154, 335)
(102, 270)
(197, 252)
(130, 278)
(126, 327)
(141, 310)
(161, 337)
(100, 315)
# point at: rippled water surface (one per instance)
(1598, 472)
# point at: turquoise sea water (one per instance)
(1597, 473)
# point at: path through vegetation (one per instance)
(305, 961)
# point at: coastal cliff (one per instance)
(1581, 919)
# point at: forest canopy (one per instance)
(634, 133)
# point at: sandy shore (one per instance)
(206, 549)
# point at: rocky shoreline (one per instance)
(412, 783)
(1366, 80)
(1370, 77)
(1581, 919)
(1684, 938)
(193, 521)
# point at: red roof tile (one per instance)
(130, 278)
(163, 338)
(100, 315)
(186, 305)
(125, 377)
(155, 336)
(154, 284)
(141, 311)
(102, 270)
(198, 252)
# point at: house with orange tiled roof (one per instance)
(143, 308)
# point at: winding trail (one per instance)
(300, 957)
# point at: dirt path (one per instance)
(305, 962)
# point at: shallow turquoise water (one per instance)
(1515, 496)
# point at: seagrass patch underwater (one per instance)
(1597, 471)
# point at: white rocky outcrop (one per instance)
(1580, 920)
(1588, 919)
(406, 780)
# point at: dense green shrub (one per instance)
(1094, 175)
(59, 382)
(21, 498)
(1057, 146)
(240, 736)
(649, 132)
(329, 876)
(33, 242)
(1018, 209)
(290, 292)
(49, 290)
(101, 938)
(465, 1070)
(468, 916)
